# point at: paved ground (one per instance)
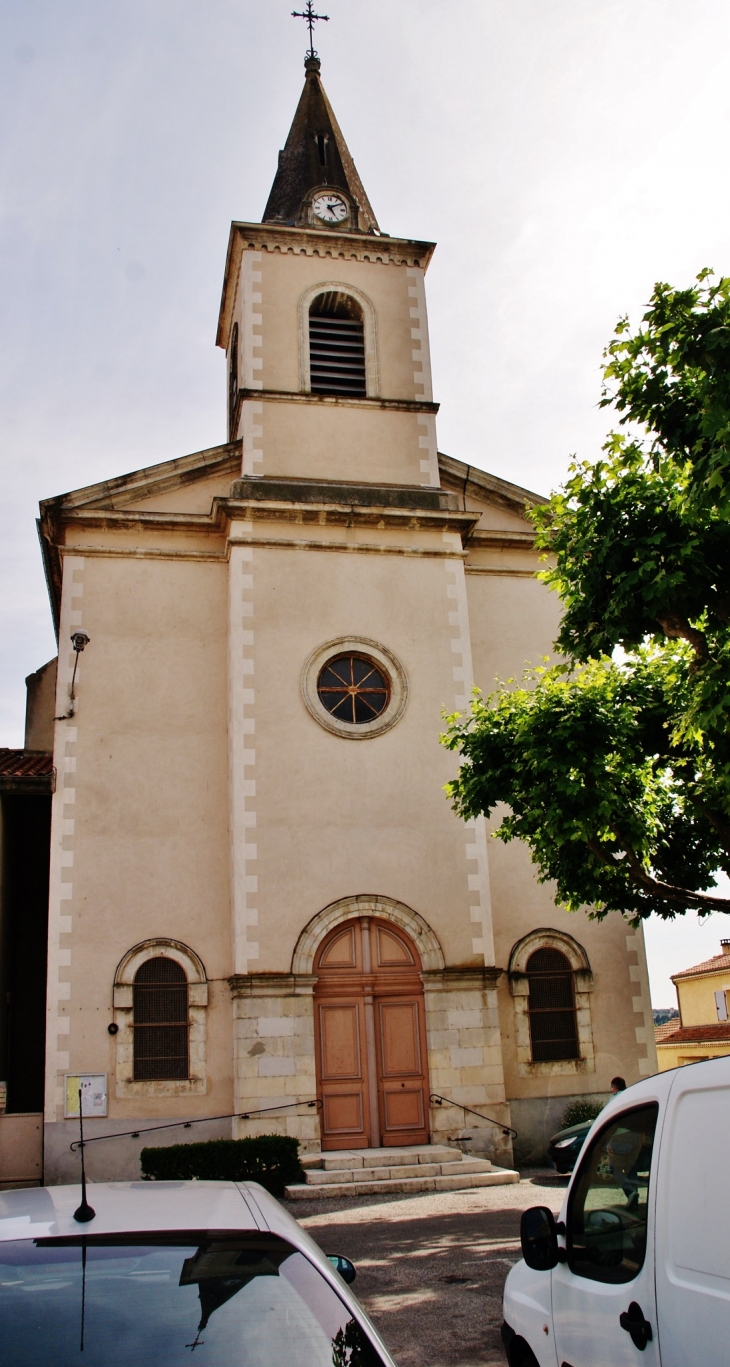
(431, 1268)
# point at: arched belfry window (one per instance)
(161, 1025)
(336, 345)
(551, 1006)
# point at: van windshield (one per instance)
(154, 1300)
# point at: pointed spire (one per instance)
(316, 157)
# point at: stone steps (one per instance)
(379, 1172)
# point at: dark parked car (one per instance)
(565, 1146)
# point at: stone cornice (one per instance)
(469, 479)
(489, 538)
(150, 480)
(268, 509)
(451, 979)
(331, 244)
(350, 515)
(272, 984)
(335, 401)
(58, 514)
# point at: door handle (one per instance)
(632, 1320)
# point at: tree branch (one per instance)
(720, 824)
(654, 887)
(678, 628)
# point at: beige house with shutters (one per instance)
(260, 898)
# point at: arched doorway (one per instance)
(370, 1034)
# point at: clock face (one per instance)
(330, 208)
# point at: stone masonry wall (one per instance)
(465, 1061)
(273, 1048)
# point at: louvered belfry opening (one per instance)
(553, 1026)
(160, 1021)
(336, 345)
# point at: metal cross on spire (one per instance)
(310, 19)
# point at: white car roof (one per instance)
(128, 1207)
(147, 1207)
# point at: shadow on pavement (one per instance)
(432, 1282)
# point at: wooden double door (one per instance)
(370, 1036)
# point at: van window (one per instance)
(607, 1213)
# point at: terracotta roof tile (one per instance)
(699, 1034)
(720, 964)
(25, 763)
(668, 1028)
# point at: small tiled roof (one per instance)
(720, 964)
(699, 1034)
(25, 763)
(667, 1028)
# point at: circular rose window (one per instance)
(353, 689)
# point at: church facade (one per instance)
(260, 901)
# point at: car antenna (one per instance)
(84, 1212)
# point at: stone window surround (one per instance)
(383, 658)
(123, 1000)
(370, 327)
(548, 938)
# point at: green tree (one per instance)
(615, 765)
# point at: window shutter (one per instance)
(336, 346)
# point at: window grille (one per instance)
(160, 1021)
(553, 1025)
(353, 689)
(336, 346)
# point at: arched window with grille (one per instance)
(160, 1019)
(551, 1006)
(336, 345)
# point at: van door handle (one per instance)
(632, 1320)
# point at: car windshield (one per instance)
(155, 1300)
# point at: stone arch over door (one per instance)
(385, 909)
(370, 1036)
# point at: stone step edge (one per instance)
(398, 1172)
(436, 1153)
(402, 1186)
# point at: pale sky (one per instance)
(564, 154)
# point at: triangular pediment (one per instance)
(186, 485)
(502, 504)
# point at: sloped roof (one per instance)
(699, 1034)
(303, 168)
(26, 771)
(667, 1028)
(25, 763)
(720, 964)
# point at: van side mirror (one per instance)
(343, 1265)
(539, 1239)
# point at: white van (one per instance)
(637, 1268)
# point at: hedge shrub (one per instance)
(271, 1159)
(583, 1108)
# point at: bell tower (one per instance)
(323, 320)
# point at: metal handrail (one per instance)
(186, 1124)
(437, 1100)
